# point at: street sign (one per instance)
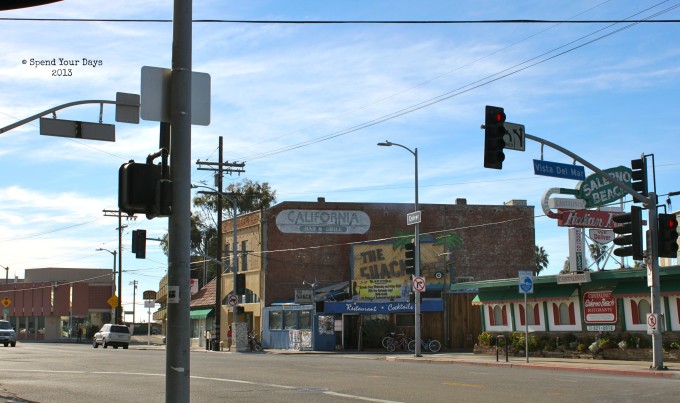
(155, 91)
(127, 107)
(419, 284)
(149, 295)
(113, 301)
(526, 282)
(413, 218)
(558, 170)
(232, 300)
(514, 136)
(564, 203)
(652, 323)
(77, 130)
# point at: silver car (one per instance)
(112, 335)
(7, 334)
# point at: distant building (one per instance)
(53, 303)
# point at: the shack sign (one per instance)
(597, 190)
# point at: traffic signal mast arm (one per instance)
(52, 110)
(626, 188)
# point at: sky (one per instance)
(304, 105)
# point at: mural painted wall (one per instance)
(378, 270)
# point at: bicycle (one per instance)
(401, 340)
(430, 344)
(254, 343)
(387, 339)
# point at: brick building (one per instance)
(52, 303)
(295, 246)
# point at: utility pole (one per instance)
(134, 283)
(177, 362)
(219, 173)
(118, 213)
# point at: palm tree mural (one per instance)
(541, 259)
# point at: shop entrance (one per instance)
(351, 332)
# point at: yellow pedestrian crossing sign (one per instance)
(113, 301)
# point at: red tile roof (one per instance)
(205, 297)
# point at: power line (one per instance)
(343, 22)
(510, 71)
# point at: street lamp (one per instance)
(113, 285)
(416, 242)
(218, 285)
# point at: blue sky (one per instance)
(607, 92)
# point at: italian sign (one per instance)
(597, 190)
(586, 218)
(323, 222)
(577, 250)
(599, 307)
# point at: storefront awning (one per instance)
(200, 313)
(640, 289)
(539, 294)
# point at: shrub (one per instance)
(485, 339)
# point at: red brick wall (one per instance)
(488, 251)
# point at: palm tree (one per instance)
(598, 253)
(541, 259)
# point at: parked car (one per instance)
(112, 335)
(7, 334)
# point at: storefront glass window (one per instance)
(275, 320)
(290, 320)
(305, 320)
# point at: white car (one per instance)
(112, 335)
(7, 334)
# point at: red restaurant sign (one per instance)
(599, 307)
(586, 218)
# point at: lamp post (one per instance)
(113, 283)
(416, 242)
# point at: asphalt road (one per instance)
(43, 372)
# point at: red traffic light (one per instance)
(500, 117)
(672, 223)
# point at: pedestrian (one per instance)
(79, 334)
(229, 338)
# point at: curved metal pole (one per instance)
(416, 242)
(52, 110)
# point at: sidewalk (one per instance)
(616, 367)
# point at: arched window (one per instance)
(498, 317)
(643, 309)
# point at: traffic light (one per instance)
(410, 260)
(142, 190)
(139, 243)
(639, 176)
(668, 235)
(630, 229)
(494, 130)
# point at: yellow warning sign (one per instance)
(6, 302)
(113, 301)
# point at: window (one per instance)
(227, 255)
(403, 320)
(563, 314)
(275, 320)
(639, 311)
(533, 318)
(290, 320)
(305, 320)
(244, 255)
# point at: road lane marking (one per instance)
(464, 385)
